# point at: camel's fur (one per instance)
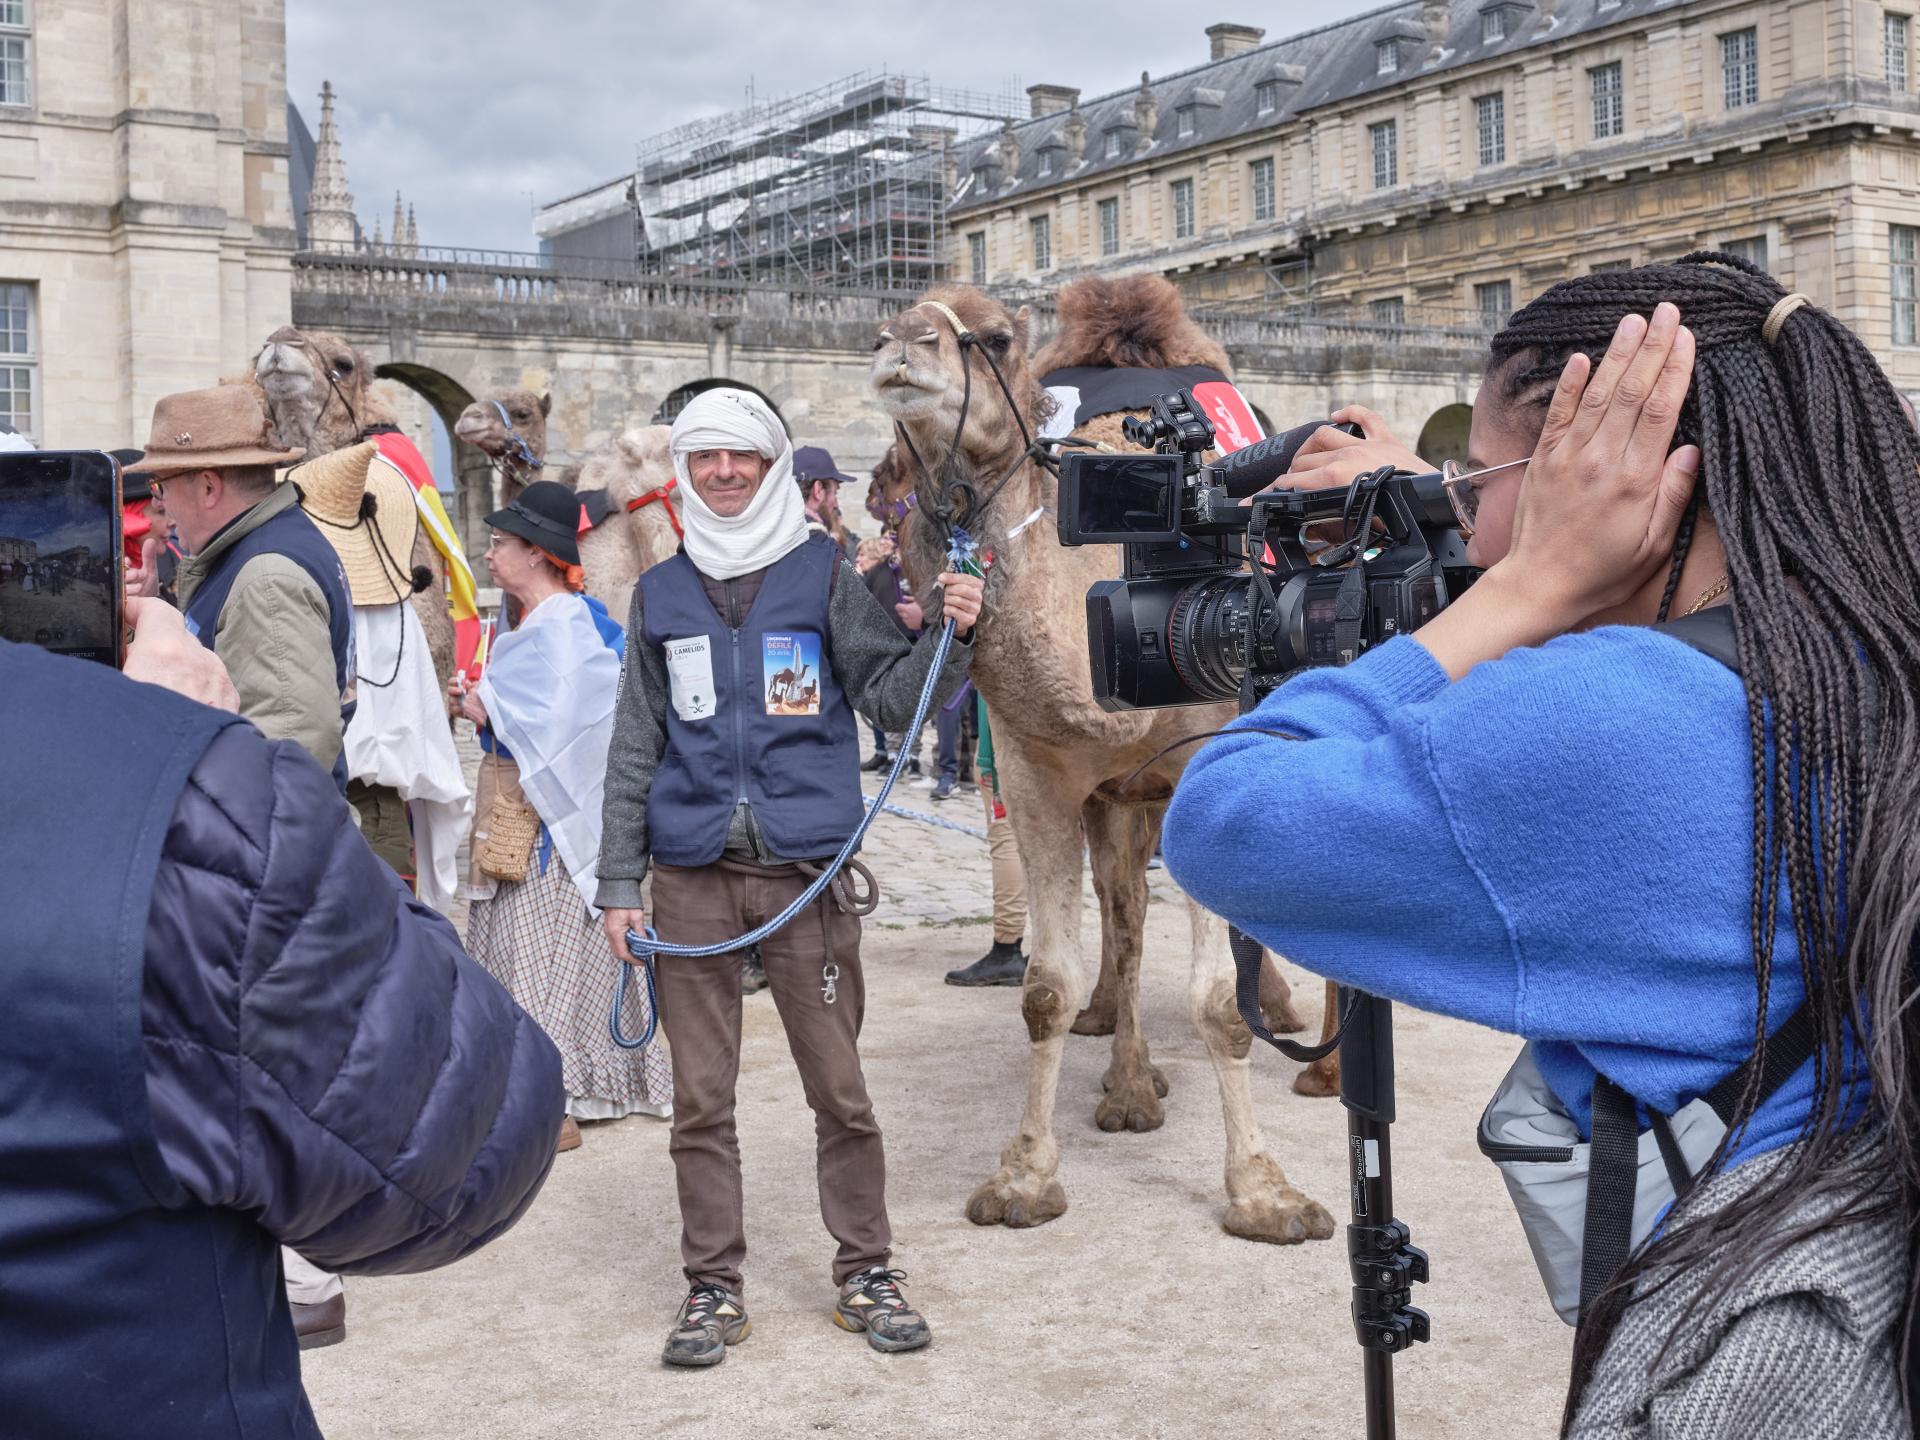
(1068, 773)
(1134, 322)
(616, 553)
(320, 418)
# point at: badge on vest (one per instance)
(790, 670)
(690, 677)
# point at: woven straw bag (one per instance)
(513, 828)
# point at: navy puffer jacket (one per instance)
(374, 1097)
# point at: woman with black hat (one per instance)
(544, 708)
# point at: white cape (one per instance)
(399, 736)
(549, 689)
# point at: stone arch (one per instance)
(472, 473)
(676, 400)
(1444, 436)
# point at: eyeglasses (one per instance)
(1463, 489)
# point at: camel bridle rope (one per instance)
(516, 451)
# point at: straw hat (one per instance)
(366, 510)
(211, 430)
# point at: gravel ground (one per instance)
(1132, 1315)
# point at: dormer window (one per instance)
(1046, 163)
(1266, 96)
(1493, 26)
(1386, 58)
(1115, 142)
(1185, 124)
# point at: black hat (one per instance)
(546, 514)
(811, 463)
(132, 487)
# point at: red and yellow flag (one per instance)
(401, 453)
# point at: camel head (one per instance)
(317, 389)
(920, 377)
(480, 425)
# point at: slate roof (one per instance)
(1319, 67)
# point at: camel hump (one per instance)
(1132, 321)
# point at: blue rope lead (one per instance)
(644, 948)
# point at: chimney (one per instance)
(1051, 99)
(1226, 40)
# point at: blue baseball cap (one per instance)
(811, 462)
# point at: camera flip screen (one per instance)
(60, 552)
(1114, 499)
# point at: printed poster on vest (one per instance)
(790, 670)
(690, 677)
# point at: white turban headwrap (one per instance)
(775, 520)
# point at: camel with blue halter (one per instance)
(952, 373)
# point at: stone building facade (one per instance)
(1443, 161)
(146, 229)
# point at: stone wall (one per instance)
(143, 194)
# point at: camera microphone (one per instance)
(1253, 468)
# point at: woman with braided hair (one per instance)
(1681, 880)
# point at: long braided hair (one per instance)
(1809, 472)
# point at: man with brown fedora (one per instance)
(403, 773)
(261, 587)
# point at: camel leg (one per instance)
(1119, 840)
(1276, 998)
(1322, 1078)
(1261, 1205)
(1103, 1006)
(1024, 1191)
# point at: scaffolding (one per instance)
(842, 186)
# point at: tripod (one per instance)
(1383, 1261)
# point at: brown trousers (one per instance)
(700, 1008)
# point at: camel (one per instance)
(520, 456)
(1070, 771)
(638, 532)
(321, 397)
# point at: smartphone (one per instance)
(60, 556)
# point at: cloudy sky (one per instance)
(479, 109)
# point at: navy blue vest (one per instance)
(292, 534)
(755, 714)
(125, 1307)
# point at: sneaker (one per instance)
(1002, 965)
(871, 1301)
(878, 762)
(753, 972)
(711, 1318)
(942, 791)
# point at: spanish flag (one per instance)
(398, 451)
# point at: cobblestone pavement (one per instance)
(1131, 1315)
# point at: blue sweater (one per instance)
(1558, 845)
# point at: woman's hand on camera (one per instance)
(1600, 505)
(1332, 457)
(1605, 493)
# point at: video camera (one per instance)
(1225, 590)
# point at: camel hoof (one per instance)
(1096, 1019)
(1261, 1205)
(1159, 1080)
(1017, 1202)
(1321, 1079)
(1282, 1019)
(1132, 1103)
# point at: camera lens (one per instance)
(1207, 635)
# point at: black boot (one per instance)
(1002, 965)
(753, 973)
(878, 762)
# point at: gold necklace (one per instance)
(1708, 596)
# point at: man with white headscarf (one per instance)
(734, 771)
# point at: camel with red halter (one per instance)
(953, 375)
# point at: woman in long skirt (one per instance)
(544, 709)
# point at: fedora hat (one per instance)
(545, 514)
(211, 430)
(366, 510)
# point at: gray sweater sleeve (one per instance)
(879, 668)
(639, 740)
